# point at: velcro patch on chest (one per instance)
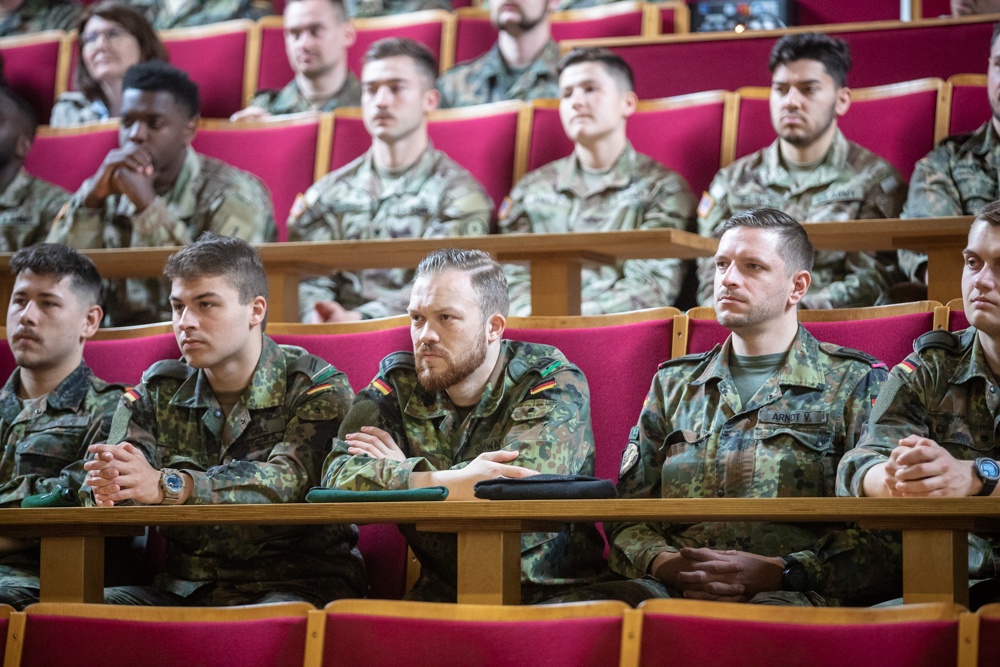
(792, 417)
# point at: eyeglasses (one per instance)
(112, 35)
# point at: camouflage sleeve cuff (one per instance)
(156, 226)
(400, 478)
(814, 568)
(201, 491)
(857, 475)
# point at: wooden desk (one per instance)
(555, 261)
(934, 532)
(941, 239)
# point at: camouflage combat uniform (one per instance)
(944, 391)
(696, 440)
(38, 15)
(27, 208)
(637, 193)
(958, 177)
(476, 82)
(436, 197)
(208, 196)
(270, 449)
(367, 8)
(44, 444)
(73, 108)
(850, 184)
(201, 12)
(290, 99)
(536, 403)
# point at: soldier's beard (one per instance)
(808, 138)
(523, 26)
(457, 369)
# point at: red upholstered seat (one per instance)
(367, 633)
(31, 67)
(989, 635)
(718, 634)
(87, 144)
(869, 334)
(684, 133)
(674, 17)
(290, 144)
(957, 320)
(822, 12)
(215, 58)
(970, 105)
(77, 634)
(895, 122)
(125, 360)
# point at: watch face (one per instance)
(989, 468)
(174, 483)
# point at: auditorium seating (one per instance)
(36, 66)
(897, 122)
(969, 105)
(86, 145)
(988, 618)
(956, 315)
(663, 64)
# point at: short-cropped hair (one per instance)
(234, 259)
(794, 244)
(156, 76)
(391, 47)
(485, 273)
(338, 8)
(613, 63)
(58, 260)
(990, 213)
(834, 53)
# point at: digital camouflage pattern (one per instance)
(44, 444)
(436, 197)
(208, 196)
(73, 108)
(481, 80)
(368, 8)
(270, 449)
(536, 403)
(291, 100)
(27, 208)
(164, 14)
(945, 392)
(38, 15)
(850, 184)
(958, 177)
(695, 439)
(638, 193)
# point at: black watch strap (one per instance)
(794, 577)
(988, 472)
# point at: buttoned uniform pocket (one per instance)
(793, 460)
(680, 441)
(51, 445)
(961, 434)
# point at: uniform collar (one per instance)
(544, 64)
(973, 362)
(13, 194)
(570, 178)
(266, 388)
(425, 404)
(827, 171)
(411, 182)
(68, 395)
(800, 369)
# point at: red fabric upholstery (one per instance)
(865, 335)
(930, 53)
(989, 641)
(290, 165)
(125, 360)
(668, 20)
(957, 320)
(935, 8)
(384, 550)
(898, 128)
(31, 70)
(47, 158)
(820, 12)
(705, 642)
(619, 362)
(474, 36)
(686, 139)
(970, 108)
(273, 70)
(216, 63)
(62, 640)
(350, 139)
(375, 641)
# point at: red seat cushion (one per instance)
(31, 70)
(47, 159)
(970, 108)
(125, 360)
(989, 641)
(216, 63)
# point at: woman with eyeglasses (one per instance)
(111, 38)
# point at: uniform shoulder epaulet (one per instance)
(959, 138)
(850, 353)
(314, 367)
(103, 385)
(687, 358)
(545, 366)
(396, 360)
(167, 368)
(939, 338)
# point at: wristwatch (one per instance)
(988, 473)
(172, 484)
(794, 577)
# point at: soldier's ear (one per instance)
(495, 326)
(843, 100)
(92, 322)
(800, 285)
(258, 311)
(22, 146)
(191, 128)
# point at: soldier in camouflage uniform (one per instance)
(466, 406)
(52, 407)
(156, 191)
(933, 429)
(240, 420)
(368, 8)
(317, 35)
(603, 186)
(520, 66)
(768, 414)
(28, 205)
(401, 188)
(960, 175)
(812, 173)
(38, 15)
(167, 14)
